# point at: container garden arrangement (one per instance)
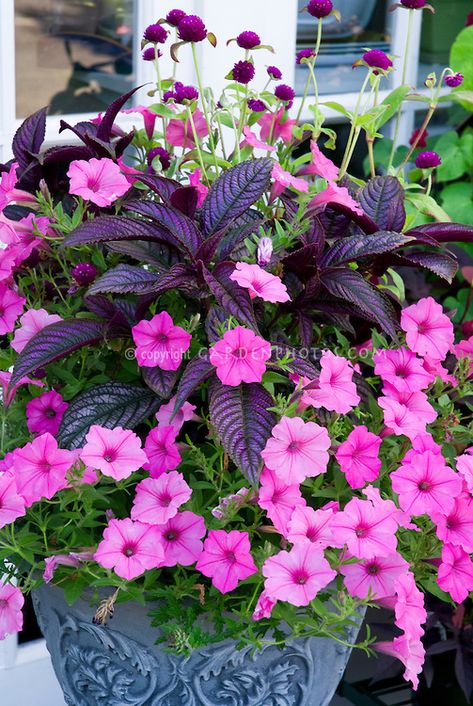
(223, 425)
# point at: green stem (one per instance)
(197, 146)
(350, 148)
(404, 76)
(311, 74)
(423, 128)
(204, 104)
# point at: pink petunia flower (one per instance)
(97, 180)
(11, 616)
(21, 236)
(376, 577)
(181, 537)
(455, 574)
(338, 195)
(399, 419)
(320, 165)
(159, 343)
(366, 529)
(297, 450)
(8, 393)
(464, 349)
(264, 606)
(32, 322)
(410, 652)
(336, 390)
(435, 368)
(279, 499)
(40, 468)
(73, 559)
(402, 369)
(464, 464)
(429, 332)
(260, 283)
(130, 172)
(226, 559)
(415, 402)
(309, 525)
(240, 356)
(195, 179)
(358, 457)
(161, 450)
(130, 548)
(11, 306)
(45, 413)
(252, 141)
(157, 500)
(117, 453)
(276, 126)
(8, 191)
(283, 180)
(426, 485)
(421, 443)
(298, 575)
(179, 133)
(409, 607)
(149, 118)
(7, 264)
(185, 414)
(456, 527)
(403, 519)
(12, 505)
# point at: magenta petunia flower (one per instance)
(409, 607)
(277, 126)
(73, 559)
(130, 548)
(309, 525)
(265, 251)
(297, 450)
(149, 118)
(464, 349)
(420, 444)
(376, 576)
(264, 606)
(402, 369)
(40, 468)
(260, 283)
(464, 464)
(11, 306)
(417, 403)
(45, 413)
(358, 457)
(185, 414)
(240, 356)
(157, 500)
(456, 527)
(366, 529)
(283, 180)
(426, 485)
(159, 343)
(429, 332)
(400, 420)
(336, 390)
(8, 191)
(226, 559)
(455, 574)
(181, 537)
(32, 322)
(12, 505)
(117, 452)
(179, 133)
(279, 499)
(97, 180)
(410, 652)
(252, 141)
(335, 194)
(11, 616)
(320, 165)
(403, 519)
(161, 450)
(297, 576)
(8, 393)
(195, 179)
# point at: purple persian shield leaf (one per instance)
(161, 255)
(54, 342)
(234, 192)
(383, 200)
(104, 130)
(243, 423)
(444, 232)
(160, 381)
(242, 228)
(303, 262)
(440, 264)
(106, 228)
(29, 137)
(66, 154)
(234, 299)
(348, 285)
(109, 405)
(197, 371)
(125, 279)
(162, 186)
(116, 318)
(182, 229)
(185, 200)
(306, 329)
(216, 321)
(300, 365)
(364, 221)
(356, 246)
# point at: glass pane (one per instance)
(73, 55)
(364, 24)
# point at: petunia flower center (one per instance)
(109, 455)
(373, 569)
(360, 531)
(239, 353)
(312, 534)
(230, 556)
(165, 500)
(402, 373)
(129, 550)
(300, 577)
(50, 413)
(293, 446)
(161, 338)
(45, 467)
(171, 535)
(425, 485)
(93, 184)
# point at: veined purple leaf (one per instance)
(243, 228)
(364, 221)
(125, 279)
(349, 285)
(215, 321)
(162, 186)
(109, 405)
(87, 133)
(382, 199)
(439, 263)
(185, 200)
(241, 418)
(64, 154)
(182, 229)
(104, 130)
(179, 276)
(160, 381)
(107, 228)
(54, 342)
(300, 365)
(161, 255)
(444, 232)
(356, 246)
(196, 372)
(306, 329)
(116, 317)
(234, 299)
(234, 192)
(29, 137)
(303, 262)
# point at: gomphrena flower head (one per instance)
(183, 94)
(162, 154)
(320, 8)
(256, 105)
(84, 273)
(168, 96)
(419, 137)
(155, 33)
(377, 59)
(454, 80)
(414, 4)
(428, 160)
(304, 54)
(175, 16)
(284, 93)
(274, 72)
(149, 54)
(243, 72)
(192, 29)
(248, 40)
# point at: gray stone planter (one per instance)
(119, 665)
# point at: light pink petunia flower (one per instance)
(366, 529)
(335, 390)
(73, 559)
(7, 264)
(12, 505)
(40, 468)
(338, 195)
(159, 343)
(464, 464)
(260, 283)
(195, 179)
(8, 393)
(32, 322)
(11, 306)
(252, 141)
(409, 607)
(226, 559)
(275, 126)
(185, 414)
(297, 576)
(389, 508)
(435, 368)
(279, 499)
(455, 574)
(181, 537)
(283, 180)
(399, 419)
(320, 165)
(410, 652)
(149, 118)
(240, 356)
(464, 349)
(429, 332)
(376, 577)
(157, 500)
(309, 525)
(130, 548)
(115, 452)
(11, 616)
(97, 180)
(402, 369)
(358, 457)
(179, 133)
(415, 402)
(456, 527)
(161, 450)
(8, 191)
(264, 606)
(45, 413)
(297, 450)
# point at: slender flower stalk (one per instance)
(354, 130)
(397, 124)
(197, 145)
(311, 74)
(204, 104)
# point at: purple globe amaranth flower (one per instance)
(414, 4)
(469, 19)
(377, 59)
(175, 16)
(84, 273)
(168, 96)
(149, 54)
(155, 34)
(265, 251)
(320, 8)
(454, 80)
(243, 72)
(256, 105)
(304, 54)
(428, 160)
(284, 92)
(162, 154)
(248, 40)
(184, 93)
(274, 72)
(192, 29)
(420, 137)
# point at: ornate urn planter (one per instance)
(119, 664)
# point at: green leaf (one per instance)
(457, 200)
(454, 163)
(393, 101)
(461, 59)
(428, 206)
